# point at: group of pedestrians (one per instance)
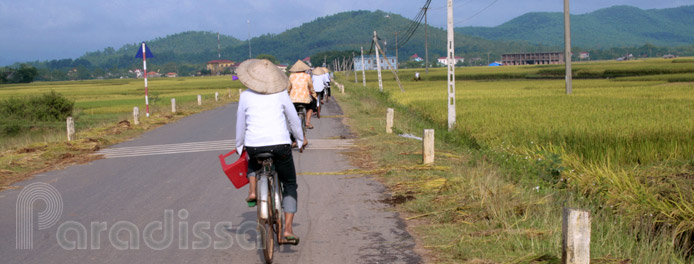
(267, 116)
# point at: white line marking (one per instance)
(219, 145)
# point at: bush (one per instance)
(48, 107)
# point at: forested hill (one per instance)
(618, 26)
(352, 30)
(189, 47)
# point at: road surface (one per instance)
(162, 198)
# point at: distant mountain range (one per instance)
(343, 31)
(654, 32)
(617, 26)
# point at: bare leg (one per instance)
(288, 221)
(251, 188)
(308, 117)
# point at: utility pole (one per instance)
(363, 67)
(354, 68)
(378, 63)
(397, 59)
(426, 41)
(451, 69)
(248, 21)
(219, 54)
(390, 66)
(567, 46)
(487, 58)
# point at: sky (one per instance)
(33, 30)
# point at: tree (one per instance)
(25, 74)
(268, 57)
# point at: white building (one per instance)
(443, 60)
(370, 63)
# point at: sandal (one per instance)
(309, 126)
(251, 202)
(294, 240)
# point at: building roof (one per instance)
(220, 62)
(414, 56)
(307, 59)
(443, 58)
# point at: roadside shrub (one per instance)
(48, 107)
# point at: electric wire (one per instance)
(474, 15)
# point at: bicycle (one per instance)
(270, 214)
(301, 110)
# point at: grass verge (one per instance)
(55, 152)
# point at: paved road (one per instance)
(166, 192)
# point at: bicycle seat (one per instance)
(263, 156)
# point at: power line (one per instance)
(478, 12)
(415, 24)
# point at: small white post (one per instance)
(575, 236)
(428, 146)
(229, 91)
(240, 90)
(199, 100)
(136, 115)
(173, 105)
(216, 96)
(70, 129)
(389, 120)
(363, 68)
(342, 88)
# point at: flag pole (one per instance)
(144, 66)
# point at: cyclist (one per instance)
(261, 126)
(328, 76)
(318, 80)
(301, 90)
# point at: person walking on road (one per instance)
(261, 126)
(301, 90)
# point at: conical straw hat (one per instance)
(326, 69)
(319, 71)
(262, 76)
(299, 66)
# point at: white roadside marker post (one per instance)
(199, 100)
(389, 120)
(173, 105)
(136, 115)
(428, 146)
(575, 236)
(70, 129)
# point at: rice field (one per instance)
(101, 101)
(625, 137)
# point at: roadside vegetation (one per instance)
(620, 146)
(32, 117)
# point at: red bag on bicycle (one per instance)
(236, 172)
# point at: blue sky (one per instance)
(52, 29)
